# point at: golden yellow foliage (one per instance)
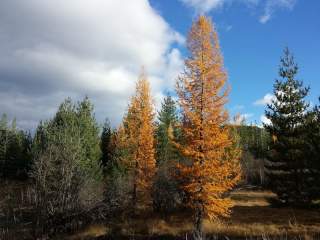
(139, 129)
(212, 166)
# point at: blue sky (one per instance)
(252, 48)
(51, 50)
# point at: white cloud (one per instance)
(228, 28)
(267, 99)
(265, 18)
(203, 6)
(265, 120)
(269, 6)
(54, 49)
(238, 107)
(273, 5)
(242, 118)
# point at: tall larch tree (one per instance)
(139, 128)
(212, 158)
(286, 163)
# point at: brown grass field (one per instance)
(252, 217)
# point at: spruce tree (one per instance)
(286, 162)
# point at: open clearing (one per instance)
(252, 217)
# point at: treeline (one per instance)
(190, 158)
(254, 142)
(15, 150)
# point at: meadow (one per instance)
(253, 217)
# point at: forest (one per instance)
(186, 171)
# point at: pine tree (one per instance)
(167, 122)
(166, 195)
(312, 152)
(118, 174)
(57, 173)
(4, 143)
(286, 161)
(139, 129)
(76, 117)
(106, 145)
(89, 137)
(15, 154)
(66, 162)
(212, 167)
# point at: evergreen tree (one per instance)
(78, 117)
(66, 161)
(167, 122)
(15, 154)
(312, 152)
(90, 139)
(212, 157)
(286, 163)
(106, 145)
(166, 195)
(57, 173)
(4, 142)
(118, 175)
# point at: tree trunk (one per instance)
(198, 234)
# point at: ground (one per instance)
(251, 217)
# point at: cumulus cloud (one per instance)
(273, 5)
(267, 99)
(265, 120)
(54, 49)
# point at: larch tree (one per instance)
(212, 158)
(139, 128)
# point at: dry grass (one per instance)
(252, 216)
